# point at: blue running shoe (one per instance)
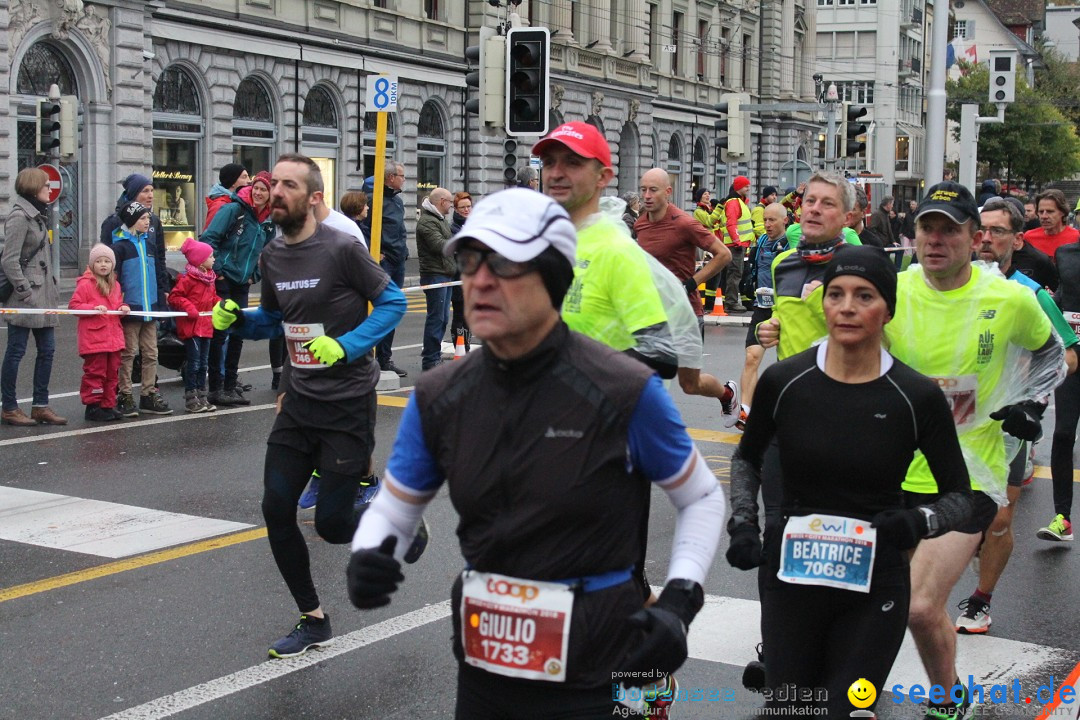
(309, 632)
(311, 494)
(369, 488)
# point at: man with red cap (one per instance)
(736, 227)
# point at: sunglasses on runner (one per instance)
(470, 258)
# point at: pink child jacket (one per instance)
(97, 333)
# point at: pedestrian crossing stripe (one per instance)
(99, 528)
(725, 631)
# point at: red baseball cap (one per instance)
(580, 137)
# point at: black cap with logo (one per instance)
(952, 199)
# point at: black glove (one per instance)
(1022, 420)
(373, 575)
(663, 648)
(900, 528)
(690, 284)
(744, 551)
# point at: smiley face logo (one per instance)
(862, 693)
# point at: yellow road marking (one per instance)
(134, 563)
(39, 586)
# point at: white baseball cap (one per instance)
(519, 224)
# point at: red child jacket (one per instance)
(191, 294)
(97, 333)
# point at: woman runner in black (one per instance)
(848, 418)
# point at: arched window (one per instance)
(321, 139)
(369, 140)
(254, 131)
(629, 159)
(675, 169)
(430, 150)
(319, 110)
(176, 93)
(697, 170)
(178, 131)
(42, 66)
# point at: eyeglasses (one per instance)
(469, 259)
(999, 232)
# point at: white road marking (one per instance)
(121, 425)
(725, 631)
(99, 528)
(272, 669)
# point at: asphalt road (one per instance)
(182, 631)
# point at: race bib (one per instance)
(828, 550)
(1073, 318)
(514, 627)
(961, 392)
(764, 297)
(296, 334)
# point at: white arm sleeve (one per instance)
(388, 515)
(702, 508)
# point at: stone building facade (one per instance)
(178, 89)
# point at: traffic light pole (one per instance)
(969, 139)
(54, 208)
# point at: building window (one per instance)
(675, 168)
(676, 40)
(615, 19)
(824, 3)
(379, 4)
(651, 34)
(430, 151)
(725, 46)
(320, 138)
(845, 2)
(254, 131)
(861, 93)
(431, 9)
(903, 146)
(42, 66)
(703, 36)
(178, 131)
(868, 2)
(369, 140)
(697, 168)
(747, 54)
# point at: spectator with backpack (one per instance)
(236, 236)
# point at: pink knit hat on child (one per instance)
(196, 252)
(101, 250)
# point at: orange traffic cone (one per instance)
(718, 306)
(459, 346)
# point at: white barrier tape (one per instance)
(415, 288)
(66, 311)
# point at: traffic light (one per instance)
(1002, 76)
(721, 126)
(527, 81)
(488, 59)
(48, 117)
(737, 144)
(68, 125)
(510, 161)
(850, 130)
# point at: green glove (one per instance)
(225, 313)
(326, 349)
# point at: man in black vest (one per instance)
(549, 443)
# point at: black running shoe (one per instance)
(309, 632)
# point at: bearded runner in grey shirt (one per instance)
(316, 285)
